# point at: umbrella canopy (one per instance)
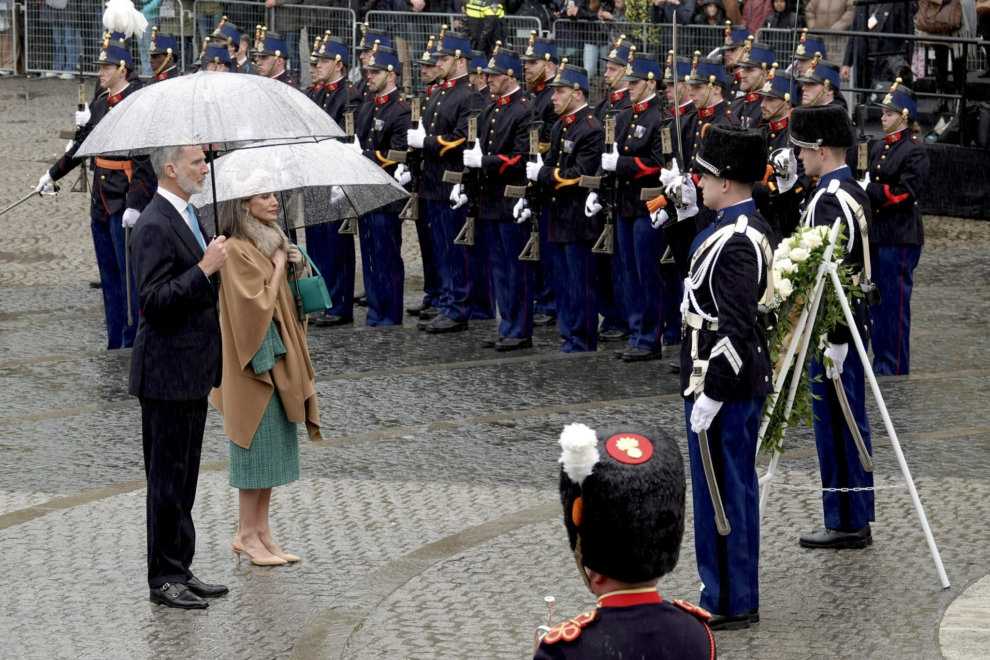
(209, 108)
(333, 180)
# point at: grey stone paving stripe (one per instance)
(328, 634)
(964, 633)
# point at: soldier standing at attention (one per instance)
(270, 54)
(756, 61)
(163, 51)
(368, 39)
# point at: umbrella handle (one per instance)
(299, 301)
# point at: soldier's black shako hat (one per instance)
(813, 126)
(733, 152)
(623, 492)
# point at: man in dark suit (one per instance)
(174, 365)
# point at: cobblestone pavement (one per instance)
(428, 519)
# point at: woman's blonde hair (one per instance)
(232, 217)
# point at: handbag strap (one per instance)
(310, 261)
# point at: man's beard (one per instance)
(189, 186)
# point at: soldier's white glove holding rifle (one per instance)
(130, 218)
(83, 116)
(402, 174)
(457, 196)
(785, 168)
(415, 137)
(837, 354)
(533, 168)
(521, 211)
(472, 157)
(591, 206)
(682, 193)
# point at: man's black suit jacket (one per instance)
(176, 355)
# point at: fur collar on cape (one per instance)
(266, 236)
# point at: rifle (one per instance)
(608, 196)
(82, 183)
(470, 182)
(863, 145)
(413, 160)
(531, 251)
(348, 226)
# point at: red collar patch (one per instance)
(430, 89)
(450, 84)
(750, 98)
(162, 76)
(737, 75)
(539, 88)
(641, 107)
(895, 137)
(569, 119)
(331, 87)
(629, 597)
(381, 100)
(778, 125)
(114, 99)
(705, 113)
(503, 100)
(617, 96)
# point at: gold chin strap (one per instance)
(165, 62)
(110, 82)
(639, 97)
(708, 93)
(777, 111)
(896, 126)
(534, 81)
(449, 69)
(815, 100)
(567, 105)
(755, 87)
(381, 83)
(268, 74)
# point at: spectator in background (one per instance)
(615, 13)
(208, 16)
(150, 12)
(172, 18)
(785, 18)
(7, 47)
(942, 53)
(710, 12)
(65, 38)
(663, 11)
(877, 59)
(591, 33)
(543, 10)
(831, 15)
(755, 12)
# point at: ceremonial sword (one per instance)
(721, 522)
(840, 394)
(27, 197)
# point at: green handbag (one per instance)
(315, 295)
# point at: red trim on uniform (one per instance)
(628, 600)
(778, 125)
(696, 179)
(645, 170)
(641, 107)
(705, 113)
(331, 87)
(507, 162)
(617, 96)
(737, 75)
(892, 198)
(381, 100)
(318, 86)
(114, 100)
(430, 89)
(751, 98)
(569, 119)
(451, 84)
(539, 88)
(895, 137)
(504, 100)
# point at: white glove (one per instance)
(659, 218)
(609, 161)
(457, 196)
(703, 413)
(666, 176)
(837, 353)
(472, 156)
(591, 206)
(355, 146)
(533, 169)
(130, 218)
(69, 145)
(402, 174)
(82, 116)
(415, 137)
(783, 159)
(45, 184)
(866, 181)
(521, 211)
(682, 189)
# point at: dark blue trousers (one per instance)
(728, 565)
(607, 307)
(382, 267)
(546, 299)
(333, 254)
(575, 286)
(111, 247)
(673, 292)
(453, 261)
(638, 281)
(513, 278)
(893, 273)
(431, 275)
(482, 277)
(837, 455)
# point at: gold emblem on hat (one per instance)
(800, 49)
(888, 99)
(728, 33)
(532, 40)
(630, 446)
(103, 55)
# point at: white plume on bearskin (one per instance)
(580, 445)
(121, 16)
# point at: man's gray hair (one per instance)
(160, 156)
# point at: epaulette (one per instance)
(699, 613)
(571, 629)
(593, 120)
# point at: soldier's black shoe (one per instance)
(429, 313)
(729, 621)
(361, 299)
(95, 284)
(754, 615)
(619, 352)
(416, 309)
(490, 343)
(636, 354)
(444, 324)
(511, 344)
(544, 319)
(330, 320)
(177, 595)
(613, 335)
(836, 539)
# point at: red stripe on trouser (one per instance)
(900, 311)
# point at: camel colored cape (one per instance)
(249, 302)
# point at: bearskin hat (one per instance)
(733, 152)
(821, 126)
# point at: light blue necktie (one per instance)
(194, 222)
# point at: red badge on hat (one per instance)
(629, 448)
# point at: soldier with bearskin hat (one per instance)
(622, 491)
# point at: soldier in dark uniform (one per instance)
(381, 126)
(820, 83)
(622, 491)
(500, 154)
(121, 189)
(804, 52)
(368, 39)
(216, 58)
(896, 177)
(756, 61)
(688, 111)
(163, 51)
(732, 53)
(441, 136)
(477, 75)
(636, 161)
(540, 62)
(775, 104)
(614, 325)
(725, 364)
(270, 55)
(333, 252)
(576, 145)
(824, 135)
(230, 35)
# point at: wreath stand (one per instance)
(802, 335)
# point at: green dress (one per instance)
(273, 459)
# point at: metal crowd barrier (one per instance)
(9, 36)
(245, 14)
(300, 25)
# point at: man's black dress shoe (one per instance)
(329, 321)
(361, 299)
(636, 354)
(511, 344)
(836, 539)
(544, 319)
(619, 352)
(429, 313)
(177, 595)
(490, 343)
(444, 324)
(729, 621)
(203, 590)
(754, 615)
(95, 284)
(416, 309)
(612, 335)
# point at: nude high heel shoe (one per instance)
(289, 558)
(272, 561)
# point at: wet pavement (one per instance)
(428, 520)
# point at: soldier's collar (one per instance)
(630, 597)
(705, 113)
(114, 99)
(572, 117)
(618, 94)
(450, 84)
(730, 213)
(895, 137)
(752, 97)
(164, 74)
(737, 74)
(840, 173)
(779, 125)
(539, 88)
(506, 99)
(430, 89)
(642, 106)
(383, 99)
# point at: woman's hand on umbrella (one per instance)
(295, 255)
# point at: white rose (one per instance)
(812, 240)
(785, 265)
(798, 255)
(784, 288)
(782, 251)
